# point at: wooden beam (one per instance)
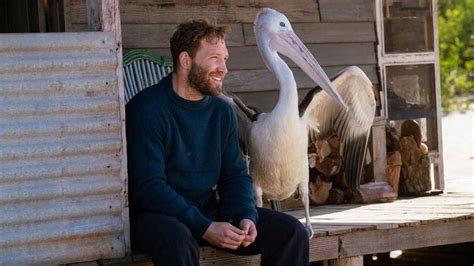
(378, 241)
(249, 80)
(213, 256)
(94, 12)
(237, 11)
(323, 248)
(55, 16)
(379, 149)
(340, 32)
(66, 5)
(343, 10)
(41, 16)
(109, 18)
(350, 261)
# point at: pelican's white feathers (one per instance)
(278, 141)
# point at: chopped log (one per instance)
(319, 191)
(411, 128)
(327, 160)
(336, 147)
(323, 148)
(375, 192)
(424, 149)
(329, 166)
(415, 170)
(392, 138)
(312, 157)
(336, 196)
(394, 163)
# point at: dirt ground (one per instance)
(458, 151)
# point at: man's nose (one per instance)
(222, 67)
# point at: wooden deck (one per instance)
(351, 230)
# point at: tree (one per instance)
(456, 47)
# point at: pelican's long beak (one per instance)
(291, 46)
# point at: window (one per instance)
(408, 26)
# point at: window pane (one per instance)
(410, 91)
(408, 26)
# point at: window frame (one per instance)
(415, 58)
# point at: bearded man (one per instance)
(182, 142)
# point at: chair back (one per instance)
(142, 69)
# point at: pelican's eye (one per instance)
(282, 24)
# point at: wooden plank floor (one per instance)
(348, 230)
(356, 229)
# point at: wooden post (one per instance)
(379, 148)
(41, 16)
(349, 261)
(94, 13)
(104, 15)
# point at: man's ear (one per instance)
(185, 60)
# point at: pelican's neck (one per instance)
(287, 105)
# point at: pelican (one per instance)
(278, 140)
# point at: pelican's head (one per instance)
(273, 31)
(270, 22)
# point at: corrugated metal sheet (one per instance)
(61, 193)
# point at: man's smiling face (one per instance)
(208, 67)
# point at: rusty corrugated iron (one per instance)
(61, 194)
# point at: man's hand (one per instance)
(250, 231)
(224, 235)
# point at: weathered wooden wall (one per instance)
(339, 33)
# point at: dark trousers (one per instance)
(281, 239)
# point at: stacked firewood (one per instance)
(327, 183)
(394, 157)
(406, 150)
(407, 169)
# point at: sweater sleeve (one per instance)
(235, 184)
(149, 191)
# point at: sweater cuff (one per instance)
(250, 217)
(200, 227)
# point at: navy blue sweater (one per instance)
(178, 150)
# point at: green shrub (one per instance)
(456, 52)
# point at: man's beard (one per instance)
(199, 79)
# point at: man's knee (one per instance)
(179, 235)
(166, 240)
(284, 240)
(179, 241)
(297, 229)
(292, 231)
(287, 226)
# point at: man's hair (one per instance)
(188, 36)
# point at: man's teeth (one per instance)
(217, 78)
